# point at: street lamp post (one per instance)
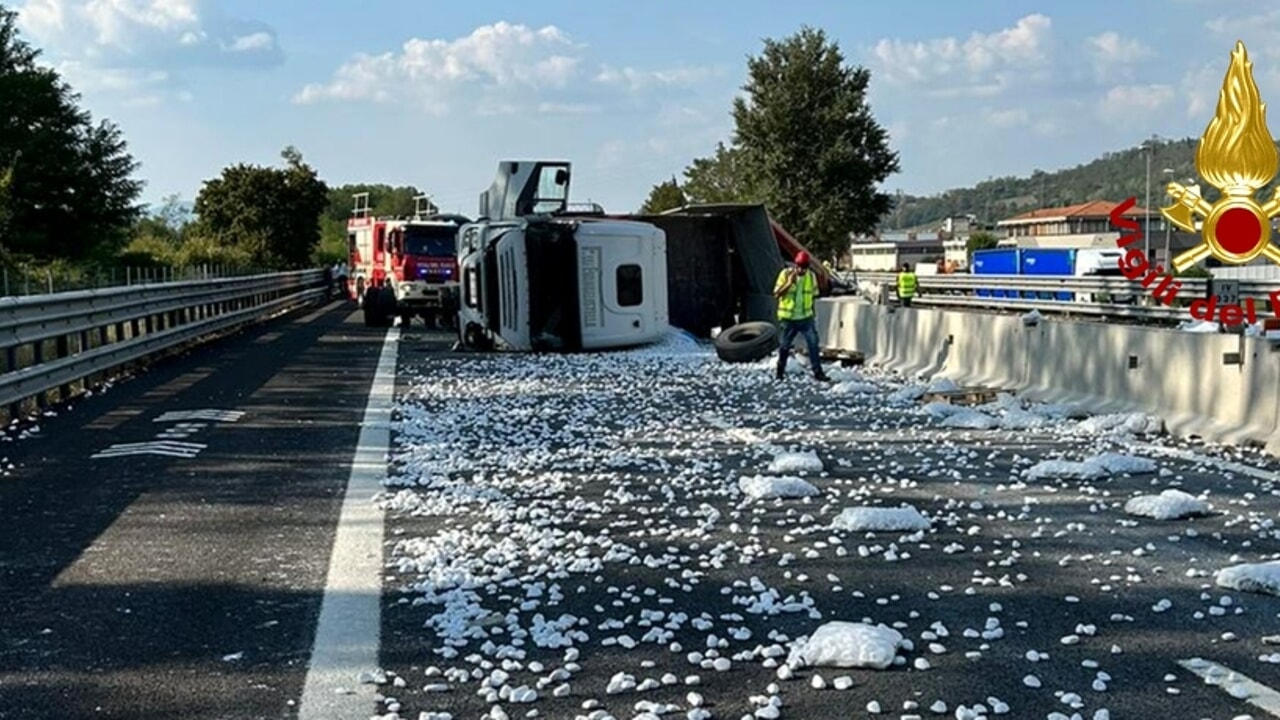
(1146, 234)
(1168, 258)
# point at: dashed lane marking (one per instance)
(211, 415)
(348, 634)
(168, 448)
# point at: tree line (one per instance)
(805, 144)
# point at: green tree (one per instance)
(809, 142)
(664, 196)
(720, 178)
(271, 215)
(384, 200)
(69, 180)
(981, 240)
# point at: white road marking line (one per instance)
(348, 633)
(146, 451)
(168, 448)
(215, 415)
(1235, 684)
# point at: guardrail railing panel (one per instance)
(67, 342)
(1106, 298)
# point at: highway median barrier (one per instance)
(1220, 387)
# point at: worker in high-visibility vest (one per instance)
(906, 285)
(796, 289)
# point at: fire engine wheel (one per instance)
(747, 342)
(379, 307)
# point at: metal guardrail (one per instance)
(1110, 298)
(54, 342)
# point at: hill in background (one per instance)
(1114, 176)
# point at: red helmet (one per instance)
(802, 258)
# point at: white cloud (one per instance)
(136, 46)
(1014, 117)
(1262, 27)
(499, 68)
(1135, 104)
(1114, 56)
(982, 65)
(898, 131)
(1201, 84)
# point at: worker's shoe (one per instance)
(778, 373)
(822, 377)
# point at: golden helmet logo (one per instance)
(1238, 157)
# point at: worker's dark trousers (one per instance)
(792, 328)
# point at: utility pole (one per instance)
(1168, 258)
(1146, 235)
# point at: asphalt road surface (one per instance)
(566, 537)
(543, 497)
(184, 584)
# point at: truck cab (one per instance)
(536, 277)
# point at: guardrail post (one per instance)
(63, 349)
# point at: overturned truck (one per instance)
(539, 275)
(536, 276)
(722, 262)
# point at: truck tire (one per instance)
(372, 307)
(747, 342)
(390, 309)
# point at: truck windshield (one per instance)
(430, 241)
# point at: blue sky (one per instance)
(436, 93)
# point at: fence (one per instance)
(1108, 298)
(56, 345)
(26, 279)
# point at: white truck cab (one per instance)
(1100, 262)
(537, 278)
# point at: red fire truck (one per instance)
(404, 267)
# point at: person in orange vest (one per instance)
(796, 289)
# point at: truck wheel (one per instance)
(747, 342)
(387, 298)
(474, 338)
(372, 307)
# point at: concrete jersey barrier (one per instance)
(1223, 388)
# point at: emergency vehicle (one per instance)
(404, 267)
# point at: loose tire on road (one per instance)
(747, 342)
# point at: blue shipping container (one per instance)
(997, 261)
(1059, 262)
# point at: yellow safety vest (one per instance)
(906, 284)
(797, 304)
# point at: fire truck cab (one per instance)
(404, 267)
